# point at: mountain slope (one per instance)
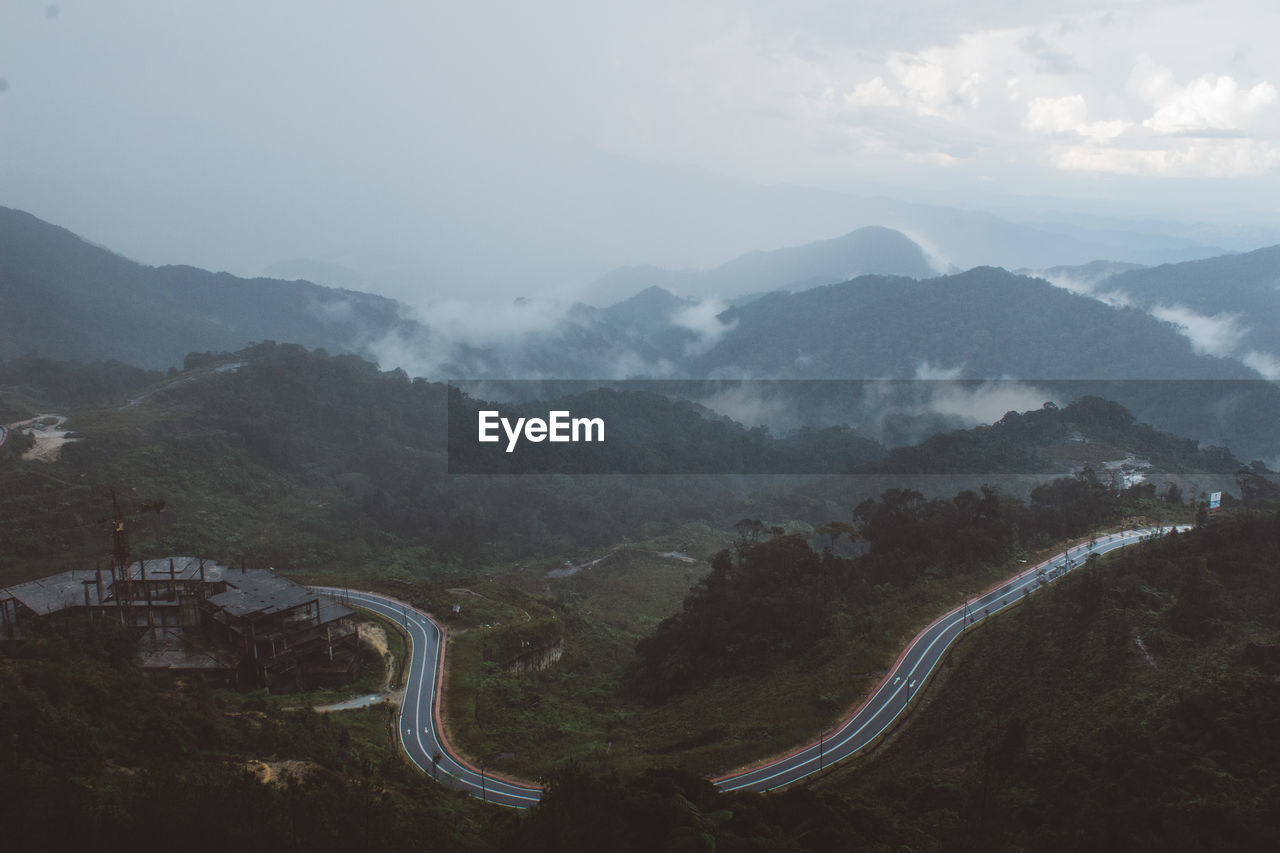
(987, 322)
(865, 251)
(1132, 706)
(64, 297)
(1232, 303)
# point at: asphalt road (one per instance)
(908, 674)
(420, 728)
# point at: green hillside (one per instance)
(66, 298)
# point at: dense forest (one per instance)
(773, 599)
(1131, 706)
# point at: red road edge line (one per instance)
(871, 694)
(435, 713)
(845, 722)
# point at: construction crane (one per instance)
(120, 540)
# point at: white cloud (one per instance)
(873, 93)
(1208, 127)
(703, 319)
(1265, 363)
(926, 370)
(744, 403)
(936, 81)
(1218, 335)
(1069, 115)
(1208, 103)
(1086, 287)
(986, 403)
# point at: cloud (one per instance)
(936, 81)
(1200, 129)
(873, 93)
(988, 402)
(1266, 364)
(703, 319)
(928, 371)
(744, 403)
(939, 261)
(1211, 102)
(1218, 335)
(332, 311)
(1086, 287)
(1069, 115)
(479, 338)
(1050, 61)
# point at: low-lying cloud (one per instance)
(1219, 335)
(703, 319)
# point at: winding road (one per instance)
(421, 734)
(423, 740)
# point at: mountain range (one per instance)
(66, 298)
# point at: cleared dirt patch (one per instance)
(278, 772)
(48, 434)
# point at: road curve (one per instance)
(419, 723)
(420, 729)
(909, 673)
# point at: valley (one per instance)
(745, 592)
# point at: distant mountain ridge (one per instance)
(65, 297)
(983, 323)
(1227, 305)
(868, 250)
(1246, 285)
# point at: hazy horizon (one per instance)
(447, 151)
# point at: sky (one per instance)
(504, 148)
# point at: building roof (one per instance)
(256, 592)
(184, 569)
(259, 592)
(60, 591)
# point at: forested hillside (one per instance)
(285, 457)
(66, 298)
(95, 755)
(1240, 288)
(1131, 706)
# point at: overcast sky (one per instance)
(471, 143)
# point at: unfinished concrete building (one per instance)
(243, 627)
(285, 634)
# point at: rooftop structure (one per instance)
(249, 625)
